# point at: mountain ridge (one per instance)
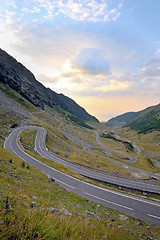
(142, 121)
(19, 78)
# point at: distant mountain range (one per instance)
(142, 121)
(17, 77)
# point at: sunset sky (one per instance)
(104, 54)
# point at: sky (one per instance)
(104, 54)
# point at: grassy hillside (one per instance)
(122, 119)
(148, 120)
(33, 207)
(142, 121)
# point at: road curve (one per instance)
(157, 176)
(117, 181)
(130, 158)
(137, 207)
(132, 184)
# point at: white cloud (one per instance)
(151, 69)
(115, 86)
(90, 61)
(47, 79)
(89, 10)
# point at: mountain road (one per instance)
(134, 206)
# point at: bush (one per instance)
(23, 164)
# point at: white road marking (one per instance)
(153, 216)
(119, 205)
(65, 184)
(105, 190)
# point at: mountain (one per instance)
(17, 77)
(148, 120)
(142, 121)
(122, 119)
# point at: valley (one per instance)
(87, 163)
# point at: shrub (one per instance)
(23, 164)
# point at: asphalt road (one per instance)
(137, 207)
(124, 164)
(130, 158)
(128, 183)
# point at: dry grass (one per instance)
(30, 193)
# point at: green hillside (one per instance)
(142, 121)
(148, 120)
(122, 119)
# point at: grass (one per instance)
(16, 97)
(128, 145)
(30, 192)
(78, 121)
(25, 220)
(27, 138)
(142, 161)
(57, 143)
(7, 119)
(60, 167)
(149, 144)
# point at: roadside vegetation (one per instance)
(28, 136)
(128, 145)
(33, 207)
(142, 158)
(16, 97)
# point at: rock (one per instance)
(65, 212)
(145, 194)
(120, 226)
(89, 213)
(72, 205)
(111, 225)
(139, 223)
(33, 204)
(98, 218)
(52, 209)
(123, 217)
(26, 204)
(8, 206)
(51, 178)
(34, 198)
(112, 219)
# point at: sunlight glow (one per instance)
(114, 86)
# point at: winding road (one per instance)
(134, 206)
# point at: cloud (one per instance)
(151, 69)
(90, 61)
(46, 45)
(47, 79)
(114, 85)
(158, 51)
(89, 10)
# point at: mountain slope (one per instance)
(142, 121)
(148, 120)
(16, 76)
(122, 119)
